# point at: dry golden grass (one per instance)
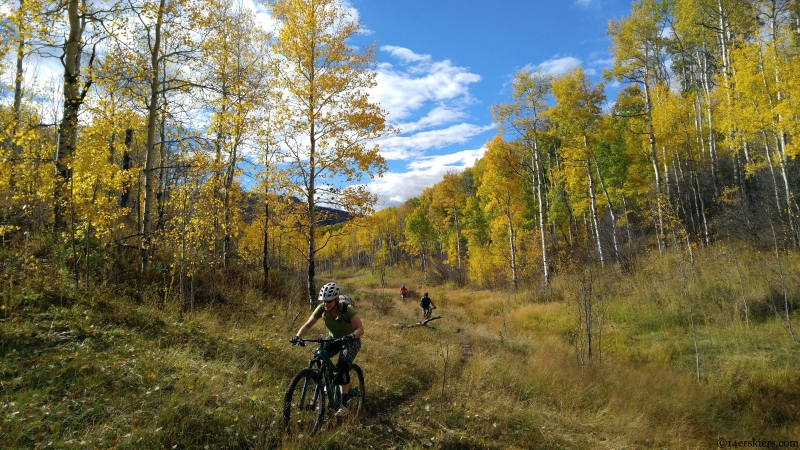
(106, 371)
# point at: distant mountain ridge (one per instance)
(331, 216)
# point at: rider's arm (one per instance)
(306, 326)
(359, 327)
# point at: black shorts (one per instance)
(349, 349)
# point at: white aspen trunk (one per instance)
(587, 315)
(610, 211)
(698, 124)
(126, 165)
(593, 203)
(265, 262)
(677, 171)
(694, 339)
(149, 165)
(579, 343)
(19, 75)
(695, 200)
(783, 281)
(706, 236)
(627, 222)
(512, 248)
(780, 150)
(665, 161)
(458, 237)
(537, 167)
(228, 184)
(788, 193)
(746, 149)
(72, 56)
(772, 171)
(654, 156)
(312, 175)
(441, 246)
(67, 130)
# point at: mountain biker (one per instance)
(339, 326)
(427, 304)
(403, 291)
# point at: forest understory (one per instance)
(673, 364)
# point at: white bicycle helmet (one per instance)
(328, 292)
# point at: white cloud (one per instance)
(405, 147)
(402, 91)
(395, 188)
(459, 160)
(603, 62)
(440, 115)
(405, 54)
(426, 100)
(262, 16)
(558, 66)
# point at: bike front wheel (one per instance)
(355, 402)
(304, 404)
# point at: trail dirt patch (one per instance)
(466, 348)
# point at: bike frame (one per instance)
(325, 369)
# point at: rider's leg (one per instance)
(346, 358)
(343, 375)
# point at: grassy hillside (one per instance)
(118, 368)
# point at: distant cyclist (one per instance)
(342, 321)
(403, 291)
(427, 305)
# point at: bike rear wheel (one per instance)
(304, 404)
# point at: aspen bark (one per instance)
(67, 130)
(610, 211)
(152, 155)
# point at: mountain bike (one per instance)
(426, 313)
(313, 393)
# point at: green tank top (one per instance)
(336, 327)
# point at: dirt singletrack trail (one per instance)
(397, 420)
(399, 423)
(466, 348)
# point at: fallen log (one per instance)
(424, 323)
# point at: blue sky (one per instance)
(443, 63)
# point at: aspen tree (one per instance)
(420, 236)
(638, 47)
(525, 115)
(24, 32)
(77, 81)
(577, 118)
(325, 118)
(152, 49)
(505, 201)
(447, 198)
(235, 69)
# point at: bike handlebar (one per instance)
(302, 342)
